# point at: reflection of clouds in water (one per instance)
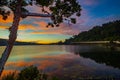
(45, 63)
(64, 65)
(5, 72)
(60, 61)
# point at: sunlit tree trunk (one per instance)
(12, 36)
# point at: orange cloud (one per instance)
(4, 22)
(9, 19)
(3, 27)
(62, 29)
(26, 27)
(42, 25)
(21, 27)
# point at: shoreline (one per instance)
(91, 42)
(95, 42)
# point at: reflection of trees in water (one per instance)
(110, 58)
(83, 48)
(101, 54)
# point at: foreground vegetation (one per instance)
(32, 73)
(28, 73)
(107, 32)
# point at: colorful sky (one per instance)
(94, 12)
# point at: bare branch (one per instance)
(35, 14)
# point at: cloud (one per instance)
(21, 27)
(9, 19)
(63, 29)
(5, 72)
(34, 26)
(5, 24)
(41, 25)
(26, 27)
(3, 27)
(66, 29)
(88, 2)
(38, 25)
(36, 9)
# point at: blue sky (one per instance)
(94, 12)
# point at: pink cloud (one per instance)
(67, 29)
(36, 9)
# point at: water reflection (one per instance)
(101, 54)
(71, 62)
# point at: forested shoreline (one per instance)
(107, 32)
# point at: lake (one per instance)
(68, 62)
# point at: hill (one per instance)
(3, 42)
(106, 32)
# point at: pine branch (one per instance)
(35, 14)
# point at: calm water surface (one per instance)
(67, 61)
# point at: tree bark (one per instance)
(12, 36)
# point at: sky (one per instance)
(94, 12)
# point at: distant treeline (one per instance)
(107, 32)
(3, 42)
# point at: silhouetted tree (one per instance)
(59, 11)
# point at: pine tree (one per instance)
(59, 11)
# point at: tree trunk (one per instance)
(12, 36)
